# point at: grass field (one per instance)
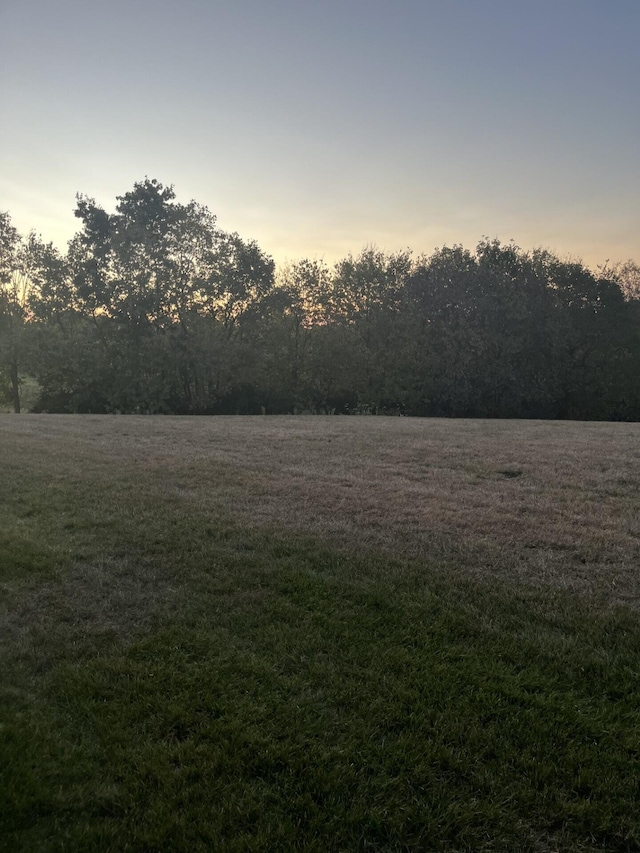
(319, 634)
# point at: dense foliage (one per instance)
(155, 309)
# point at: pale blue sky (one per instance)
(320, 127)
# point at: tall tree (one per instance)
(170, 297)
(20, 261)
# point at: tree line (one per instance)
(155, 309)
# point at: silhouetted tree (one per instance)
(165, 292)
(25, 266)
(155, 309)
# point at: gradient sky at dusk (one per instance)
(320, 126)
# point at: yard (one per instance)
(319, 634)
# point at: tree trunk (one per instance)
(15, 387)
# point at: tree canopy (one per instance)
(155, 309)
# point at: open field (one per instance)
(319, 634)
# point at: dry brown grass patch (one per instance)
(549, 502)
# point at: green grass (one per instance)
(175, 678)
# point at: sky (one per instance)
(319, 127)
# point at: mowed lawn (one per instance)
(318, 634)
